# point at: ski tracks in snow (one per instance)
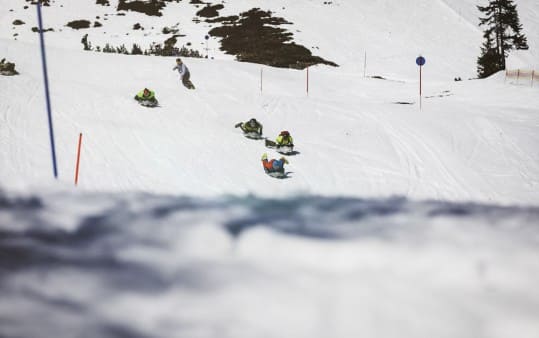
(16, 121)
(416, 155)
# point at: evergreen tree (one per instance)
(136, 50)
(503, 33)
(122, 50)
(87, 44)
(489, 62)
(108, 49)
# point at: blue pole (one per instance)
(46, 79)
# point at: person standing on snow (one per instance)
(184, 73)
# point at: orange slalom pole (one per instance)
(78, 160)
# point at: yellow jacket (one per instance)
(284, 140)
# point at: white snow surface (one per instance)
(394, 221)
(472, 141)
(79, 264)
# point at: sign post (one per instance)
(207, 37)
(420, 61)
(365, 65)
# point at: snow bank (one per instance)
(140, 265)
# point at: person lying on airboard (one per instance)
(251, 126)
(284, 139)
(273, 165)
(146, 95)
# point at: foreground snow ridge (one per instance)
(138, 265)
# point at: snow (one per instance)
(395, 221)
(478, 142)
(392, 33)
(151, 266)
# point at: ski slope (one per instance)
(477, 142)
(394, 221)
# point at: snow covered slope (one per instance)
(328, 252)
(392, 33)
(473, 140)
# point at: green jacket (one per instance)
(140, 95)
(284, 140)
(246, 127)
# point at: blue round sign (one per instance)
(420, 61)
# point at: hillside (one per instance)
(392, 34)
(394, 221)
(352, 137)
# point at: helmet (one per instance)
(252, 122)
(284, 133)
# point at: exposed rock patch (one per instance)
(253, 37)
(79, 24)
(210, 11)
